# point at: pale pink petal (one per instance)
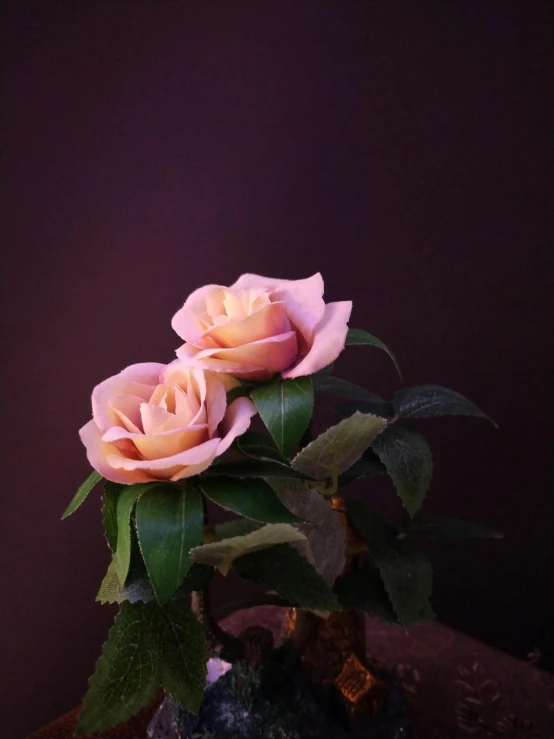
(127, 409)
(248, 281)
(303, 298)
(328, 343)
(138, 379)
(187, 324)
(268, 321)
(187, 321)
(99, 452)
(304, 303)
(236, 422)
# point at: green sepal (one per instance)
(125, 504)
(81, 494)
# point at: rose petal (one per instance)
(268, 321)
(138, 379)
(195, 456)
(259, 360)
(98, 453)
(216, 402)
(328, 343)
(236, 422)
(187, 354)
(303, 298)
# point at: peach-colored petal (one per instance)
(163, 444)
(98, 453)
(236, 422)
(188, 354)
(269, 355)
(302, 298)
(192, 469)
(268, 321)
(216, 402)
(153, 417)
(138, 379)
(187, 322)
(328, 343)
(196, 455)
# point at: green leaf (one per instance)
(240, 391)
(428, 401)
(137, 588)
(169, 523)
(367, 466)
(285, 406)
(445, 527)
(406, 573)
(409, 463)
(259, 446)
(323, 529)
(125, 504)
(197, 578)
(222, 553)
(408, 578)
(358, 337)
(334, 451)
(331, 385)
(250, 468)
(183, 654)
(112, 491)
(285, 571)
(81, 494)
(364, 590)
(375, 531)
(126, 675)
(380, 408)
(252, 498)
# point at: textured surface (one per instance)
(443, 672)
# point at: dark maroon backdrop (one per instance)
(149, 148)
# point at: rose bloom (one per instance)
(162, 422)
(260, 326)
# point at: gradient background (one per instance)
(403, 150)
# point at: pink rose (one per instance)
(162, 422)
(260, 326)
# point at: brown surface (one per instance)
(455, 684)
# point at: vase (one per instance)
(316, 684)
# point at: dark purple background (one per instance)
(149, 148)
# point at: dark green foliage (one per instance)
(285, 406)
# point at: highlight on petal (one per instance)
(328, 343)
(304, 302)
(236, 422)
(270, 320)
